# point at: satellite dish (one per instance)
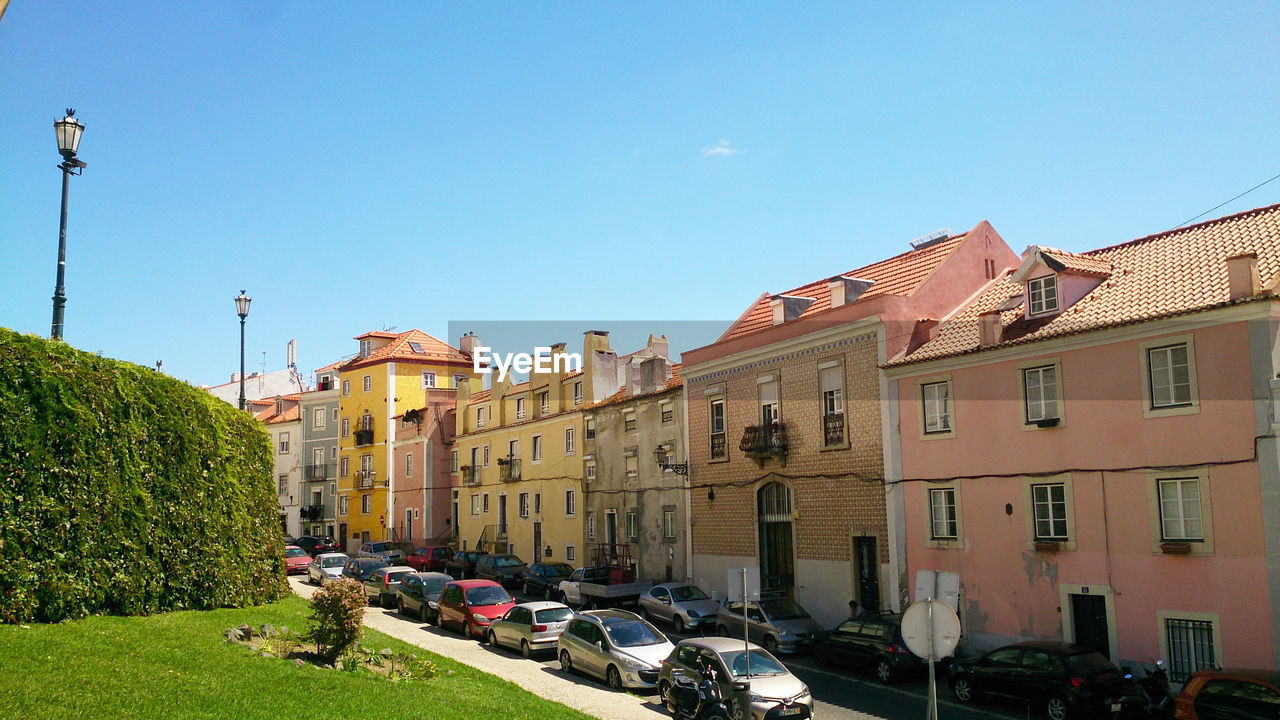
(931, 629)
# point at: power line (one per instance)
(1215, 207)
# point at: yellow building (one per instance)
(518, 458)
(389, 375)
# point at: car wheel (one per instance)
(614, 678)
(678, 623)
(525, 651)
(664, 696)
(471, 631)
(491, 639)
(526, 589)
(566, 662)
(962, 688)
(400, 606)
(770, 644)
(1056, 708)
(884, 671)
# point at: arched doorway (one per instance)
(777, 550)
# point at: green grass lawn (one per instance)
(178, 665)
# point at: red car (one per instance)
(1239, 694)
(429, 559)
(470, 605)
(296, 560)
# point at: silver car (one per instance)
(530, 626)
(392, 553)
(777, 624)
(771, 688)
(683, 605)
(326, 566)
(615, 645)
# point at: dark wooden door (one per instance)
(868, 573)
(1089, 617)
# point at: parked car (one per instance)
(290, 540)
(506, 570)
(683, 605)
(777, 624)
(463, 564)
(1064, 679)
(381, 584)
(419, 593)
(326, 566)
(1229, 695)
(392, 553)
(431, 558)
(531, 626)
(617, 646)
(470, 605)
(296, 560)
(360, 568)
(317, 544)
(872, 642)
(544, 579)
(775, 692)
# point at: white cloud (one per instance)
(724, 148)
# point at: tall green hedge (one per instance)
(124, 491)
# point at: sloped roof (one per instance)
(1162, 275)
(898, 275)
(433, 350)
(269, 415)
(675, 381)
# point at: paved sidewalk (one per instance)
(578, 692)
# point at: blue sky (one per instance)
(356, 166)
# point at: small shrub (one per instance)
(337, 618)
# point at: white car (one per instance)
(618, 646)
(530, 626)
(326, 566)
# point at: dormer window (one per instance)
(366, 347)
(1042, 295)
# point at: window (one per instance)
(1169, 376)
(633, 525)
(591, 525)
(346, 427)
(368, 383)
(577, 393)
(936, 397)
(366, 421)
(459, 380)
(428, 380)
(537, 503)
(570, 554)
(485, 502)
(333, 452)
(1043, 295)
(1180, 512)
(629, 421)
(513, 449)
(479, 417)
(366, 503)
(719, 446)
(570, 502)
(544, 402)
(942, 514)
(408, 464)
(520, 413)
(334, 416)
(486, 455)
(284, 443)
(453, 461)
(1040, 385)
(569, 440)
(669, 523)
(344, 467)
(317, 418)
(283, 485)
(590, 427)
(524, 504)
(832, 405)
(366, 346)
(346, 387)
(475, 504)
(342, 504)
(1049, 504)
(668, 412)
(590, 469)
(632, 463)
(768, 399)
(1190, 647)
(537, 448)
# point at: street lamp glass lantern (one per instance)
(68, 130)
(242, 305)
(660, 455)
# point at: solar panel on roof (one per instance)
(415, 347)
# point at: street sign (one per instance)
(944, 586)
(931, 629)
(743, 583)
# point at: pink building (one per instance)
(1089, 443)
(421, 506)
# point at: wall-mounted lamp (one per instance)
(660, 456)
(711, 494)
(547, 552)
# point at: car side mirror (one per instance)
(739, 687)
(666, 601)
(600, 645)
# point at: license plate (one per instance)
(1116, 707)
(793, 710)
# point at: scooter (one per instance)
(1155, 698)
(688, 699)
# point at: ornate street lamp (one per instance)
(242, 309)
(660, 455)
(68, 130)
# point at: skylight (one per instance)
(416, 347)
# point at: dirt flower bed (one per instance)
(282, 643)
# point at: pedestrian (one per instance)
(855, 610)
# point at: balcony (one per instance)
(509, 469)
(719, 446)
(320, 472)
(470, 475)
(764, 441)
(833, 430)
(364, 436)
(363, 479)
(313, 513)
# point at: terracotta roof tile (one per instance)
(433, 350)
(1153, 277)
(898, 275)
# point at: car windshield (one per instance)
(508, 561)
(762, 663)
(783, 609)
(433, 587)
(487, 595)
(1090, 663)
(687, 593)
(378, 547)
(335, 561)
(551, 615)
(295, 552)
(633, 633)
(559, 570)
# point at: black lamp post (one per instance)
(68, 130)
(660, 455)
(242, 309)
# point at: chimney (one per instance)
(788, 307)
(1242, 276)
(989, 329)
(921, 333)
(594, 341)
(846, 290)
(659, 345)
(653, 374)
(467, 343)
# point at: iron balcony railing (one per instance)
(470, 475)
(509, 469)
(364, 479)
(833, 429)
(364, 436)
(316, 512)
(760, 440)
(320, 472)
(719, 446)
